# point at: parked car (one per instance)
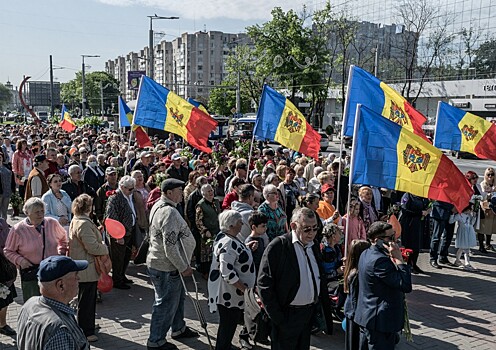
(324, 141)
(243, 134)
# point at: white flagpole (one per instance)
(437, 120)
(350, 183)
(344, 122)
(132, 123)
(254, 130)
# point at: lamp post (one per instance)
(151, 44)
(83, 104)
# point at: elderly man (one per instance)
(122, 207)
(171, 249)
(383, 278)
(144, 164)
(176, 169)
(289, 282)
(101, 194)
(37, 185)
(74, 186)
(47, 322)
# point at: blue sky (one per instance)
(31, 30)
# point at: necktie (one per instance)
(315, 293)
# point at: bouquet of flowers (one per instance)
(16, 201)
(110, 193)
(476, 200)
(4, 291)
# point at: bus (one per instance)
(222, 128)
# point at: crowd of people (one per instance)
(273, 225)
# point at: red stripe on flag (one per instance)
(67, 126)
(310, 145)
(142, 138)
(418, 119)
(199, 127)
(450, 185)
(486, 148)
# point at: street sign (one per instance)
(304, 104)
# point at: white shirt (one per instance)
(305, 294)
(131, 204)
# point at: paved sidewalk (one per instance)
(449, 309)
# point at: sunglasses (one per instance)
(130, 189)
(310, 229)
(490, 174)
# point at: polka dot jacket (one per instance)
(232, 261)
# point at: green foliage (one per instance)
(485, 58)
(71, 92)
(222, 100)
(5, 96)
(93, 121)
(16, 200)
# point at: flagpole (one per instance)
(132, 123)
(350, 182)
(344, 122)
(437, 119)
(255, 129)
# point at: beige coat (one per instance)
(85, 242)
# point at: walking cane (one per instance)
(196, 303)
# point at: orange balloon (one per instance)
(105, 283)
(115, 228)
(396, 225)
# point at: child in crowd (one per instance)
(465, 236)
(258, 225)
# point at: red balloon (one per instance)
(115, 228)
(396, 225)
(105, 283)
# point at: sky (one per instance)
(32, 30)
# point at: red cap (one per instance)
(326, 188)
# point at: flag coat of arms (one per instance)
(366, 89)
(126, 119)
(458, 130)
(158, 107)
(387, 155)
(66, 121)
(279, 120)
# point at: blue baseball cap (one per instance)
(55, 267)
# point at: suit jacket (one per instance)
(172, 172)
(382, 285)
(74, 190)
(279, 279)
(441, 210)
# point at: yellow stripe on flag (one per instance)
(178, 114)
(418, 161)
(292, 127)
(394, 108)
(473, 129)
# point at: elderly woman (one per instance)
(277, 224)
(122, 207)
(22, 164)
(207, 222)
(31, 240)
(140, 186)
(232, 271)
(488, 224)
(57, 201)
(85, 243)
(368, 212)
(7, 187)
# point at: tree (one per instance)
(485, 58)
(71, 92)
(222, 100)
(5, 96)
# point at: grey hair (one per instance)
(301, 213)
(91, 156)
(268, 188)
(134, 172)
(228, 219)
(317, 170)
(72, 168)
(204, 189)
(200, 181)
(31, 203)
(127, 181)
(270, 178)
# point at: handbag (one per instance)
(103, 264)
(30, 273)
(8, 271)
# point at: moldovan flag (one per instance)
(158, 107)
(458, 130)
(197, 104)
(387, 155)
(126, 119)
(366, 89)
(279, 120)
(66, 121)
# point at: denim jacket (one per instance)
(51, 202)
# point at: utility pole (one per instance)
(101, 98)
(83, 97)
(51, 88)
(151, 46)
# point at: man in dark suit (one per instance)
(289, 283)
(383, 278)
(442, 232)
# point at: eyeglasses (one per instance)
(310, 229)
(490, 174)
(130, 188)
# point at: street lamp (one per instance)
(83, 114)
(151, 45)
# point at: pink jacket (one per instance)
(25, 242)
(18, 167)
(356, 230)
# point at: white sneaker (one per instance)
(469, 267)
(245, 345)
